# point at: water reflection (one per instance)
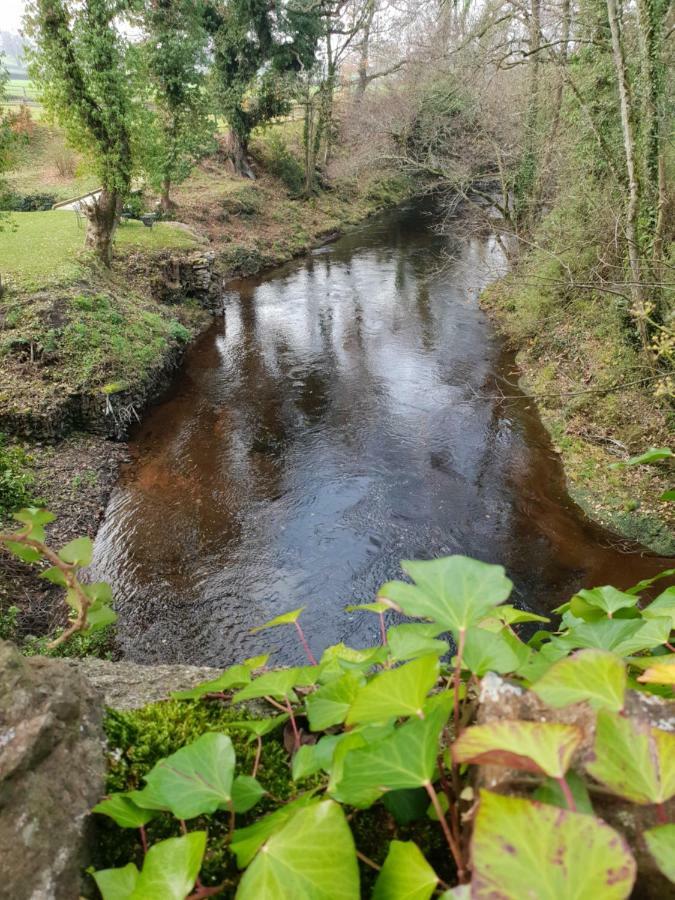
(344, 415)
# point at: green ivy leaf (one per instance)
(330, 704)
(485, 651)
(247, 841)
(379, 606)
(633, 760)
(405, 875)
(662, 606)
(100, 616)
(540, 747)
(652, 455)
(406, 805)
(278, 685)
(396, 692)
(648, 582)
(661, 844)
(622, 636)
(117, 884)
(404, 759)
(24, 553)
(194, 781)
(454, 591)
(246, 792)
(525, 849)
(509, 615)
(235, 676)
(34, 515)
(607, 598)
(260, 727)
(312, 857)
(289, 618)
(413, 640)
(79, 552)
(339, 658)
(595, 676)
(552, 793)
(122, 809)
(170, 870)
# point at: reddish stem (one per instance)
(183, 826)
(294, 725)
(458, 678)
(144, 839)
(383, 630)
(303, 641)
(274, 703)
(670, 647)
(206, 891)
(256, 761)
(567, 792)
(462, 874)
(661, 814)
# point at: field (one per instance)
(44, 246)
(21, 89)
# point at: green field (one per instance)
(21, 89)
(45, 246)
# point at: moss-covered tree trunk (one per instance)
(103, 215)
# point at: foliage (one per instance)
(282, 163)
(15, 477)
(385, 733)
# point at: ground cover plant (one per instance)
(388, 734)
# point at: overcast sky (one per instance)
(11, 12)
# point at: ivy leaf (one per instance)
(79, 552)
(246, 792)
(194, 781)
(654, 454)
(122, 810)
(485, 651)
(540, 747)
(259, 727)
(379, 606)
(407, 805)
(454, 591)
(552, 793)
(648, 582)
(340, 658)
(117, 884)
(622, 636)
(509, 615)
(525, 849)
(330, 704)
(312, 857)
(278, 684)
(663, 605)
(661, 671)
(404, 759)
(405, 875)
(34, 515)
(100, 616)
(413, 640)
(633, 760)
(608, 599)
(595, 676)
(24, 553)
(235, 676)
(247, 841)
(661, 844)
(289, 618)
(170, 870)
(396, 692)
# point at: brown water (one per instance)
(345, 414)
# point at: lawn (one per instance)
(45, 246)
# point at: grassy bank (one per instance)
(578, 359)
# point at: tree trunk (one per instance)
(364, 51)
(632, 212)
(166, 204)
(103, 215)
(237, 154)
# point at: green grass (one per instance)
(22, 89)
(45, 246)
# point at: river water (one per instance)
(350, 410)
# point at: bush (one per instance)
(65, 162)
(12, 202)
(15, 478)
(282, 164)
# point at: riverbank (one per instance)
(576, 360)
(85, 350)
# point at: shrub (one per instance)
(283, 164)
(15, 477)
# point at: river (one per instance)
(350, 410)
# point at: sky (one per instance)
(11, 12)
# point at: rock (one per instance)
(127, 685)
(499, 699)
(52, 771)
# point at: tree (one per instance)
(257, 46)
(172, 69)
(78, 61)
